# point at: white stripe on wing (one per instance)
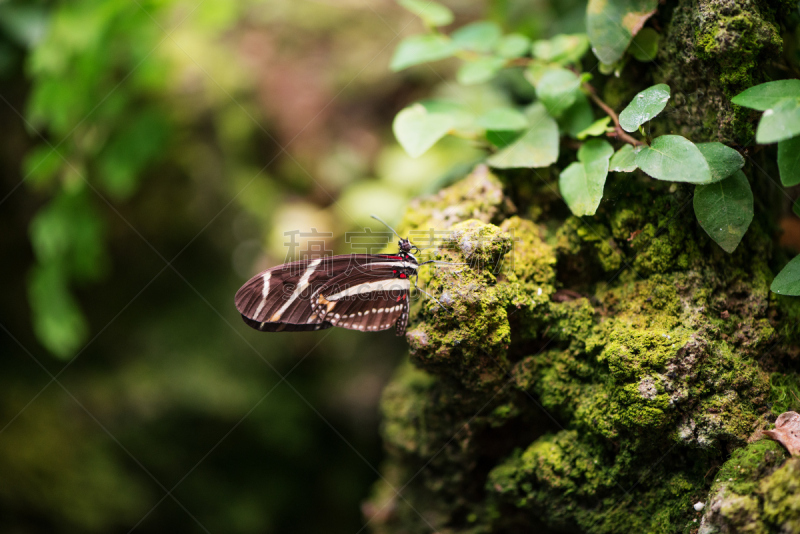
(264, 294)
(301, 286)
(391, 284)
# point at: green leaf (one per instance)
(58, 322)
(558, 89)
(675, 159)
(582, 182)
(725, 209)
(41, 165)
(418, 49)
(502, 119)
(537, 147)
(563, 49)
(789, 161)
(722, 160)
(70, 232)
(780, 122)
(479, 36)
(577, 117)
(126, 155)
(644, 47)
(479, 70)
(624, 160)
(512, 46)
(767, 95)
(502, 138)
(419, 126)
(431, 13)
(598, 127)
(788, 280)
(595, 150)
(644, 107)
(796, 207)
(611, 24)
(26, 25)
(533, 74)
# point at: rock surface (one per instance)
(583, 378)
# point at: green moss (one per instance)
(530, 259)
(735, 40)
(723, 416)
(580, 485)
(781, 493)
(577, 237)
(633, 350)
(789, 322)
(713, 50)
(403, 406)
(649, 230)
(727, 370)
(629, 348)
(659, 253)
(756, 490)
(561, 462)
(784, 392)
(747, 465)
(472, 336)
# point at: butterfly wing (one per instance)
(367, 292)
(277, 299)
(373, 297)
(285, 327)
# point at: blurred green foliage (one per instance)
(154, 154)
(101, 129)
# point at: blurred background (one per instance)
(154, 155)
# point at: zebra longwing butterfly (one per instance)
(366, 292)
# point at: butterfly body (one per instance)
(366, 292)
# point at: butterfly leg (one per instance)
(416, 286)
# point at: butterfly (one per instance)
(365, 292)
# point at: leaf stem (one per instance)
(618, 131)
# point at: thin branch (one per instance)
(618, 131)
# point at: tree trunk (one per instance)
(607, 373)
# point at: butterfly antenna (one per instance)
(438, 262)
(386, 225)
(439, 302)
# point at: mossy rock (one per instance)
(539, 396)
(757, 490)
(714, 49)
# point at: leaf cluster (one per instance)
(780, 123)
(90, 148)
(517, 136)
(530, 137)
